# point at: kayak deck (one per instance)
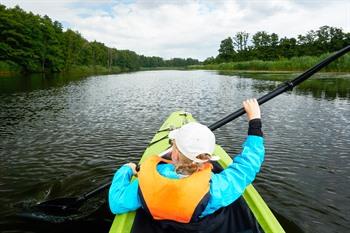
(123, 223)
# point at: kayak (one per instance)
(261, 213)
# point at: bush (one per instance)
(293, 64)
(8, 66)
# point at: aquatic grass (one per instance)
(98, 69)
(293, 64)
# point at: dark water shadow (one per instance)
(99, 221)
(288, 225)
(28, 83)
(327, 86)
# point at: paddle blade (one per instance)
(59, 206)
(46, 217)
(61, 210)
(54, 211)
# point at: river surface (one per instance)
(63, 136)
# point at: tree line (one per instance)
(38, 44)
(268, 47)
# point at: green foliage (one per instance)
(38, 44)
(240, 41)
(8, 67)
(268, 47)
(81, 69)
(128, 59)
(179, 62)
(209, 60)
(151, 61)
(293, 64)
(226, 50)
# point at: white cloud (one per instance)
(187, 28)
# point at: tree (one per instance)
(240, 41)
(226, 51)
(73, 43)
(127, 59)
(287, 47)
(273, 40)
(209, 60)
(48, 48)
(330, 38)
(265, 45)
(261, 39)
(38, 44)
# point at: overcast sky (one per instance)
(186, 28)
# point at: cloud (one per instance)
(187, 28)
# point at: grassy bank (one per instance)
(9, 69)
(294, 64)
(162, 68)
(95, 70)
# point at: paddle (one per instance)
(288, 85)
(57, 209)
(61, 209)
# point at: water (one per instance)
(64, 136)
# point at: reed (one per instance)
(293, 64)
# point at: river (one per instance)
(63, 136)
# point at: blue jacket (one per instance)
(225, 187)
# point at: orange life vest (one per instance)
(172, 199)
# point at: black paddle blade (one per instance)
(59, 206)
(47, 217)
(66, 209)
(54, 211)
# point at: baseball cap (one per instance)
(194, 139)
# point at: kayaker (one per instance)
(184, 189)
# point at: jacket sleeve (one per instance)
(123, 195)
(228, 185)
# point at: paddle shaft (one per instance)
(93, 192)
(279, 90)
(283, 88)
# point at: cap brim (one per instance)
(173, 133)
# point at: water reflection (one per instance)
(63, 138)
(328, 88)
(26, 83)
(325, 85)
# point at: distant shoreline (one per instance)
(272, 71)
(203, 67)
(223, 67)
(84, 70)
(294, 64)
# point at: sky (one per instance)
(186, 28)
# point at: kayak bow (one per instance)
(123, 223)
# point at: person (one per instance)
(185, 189)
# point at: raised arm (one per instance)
(230, 184)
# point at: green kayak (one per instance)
(264, 217)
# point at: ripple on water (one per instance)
(64, 140)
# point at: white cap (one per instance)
(194, 139)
